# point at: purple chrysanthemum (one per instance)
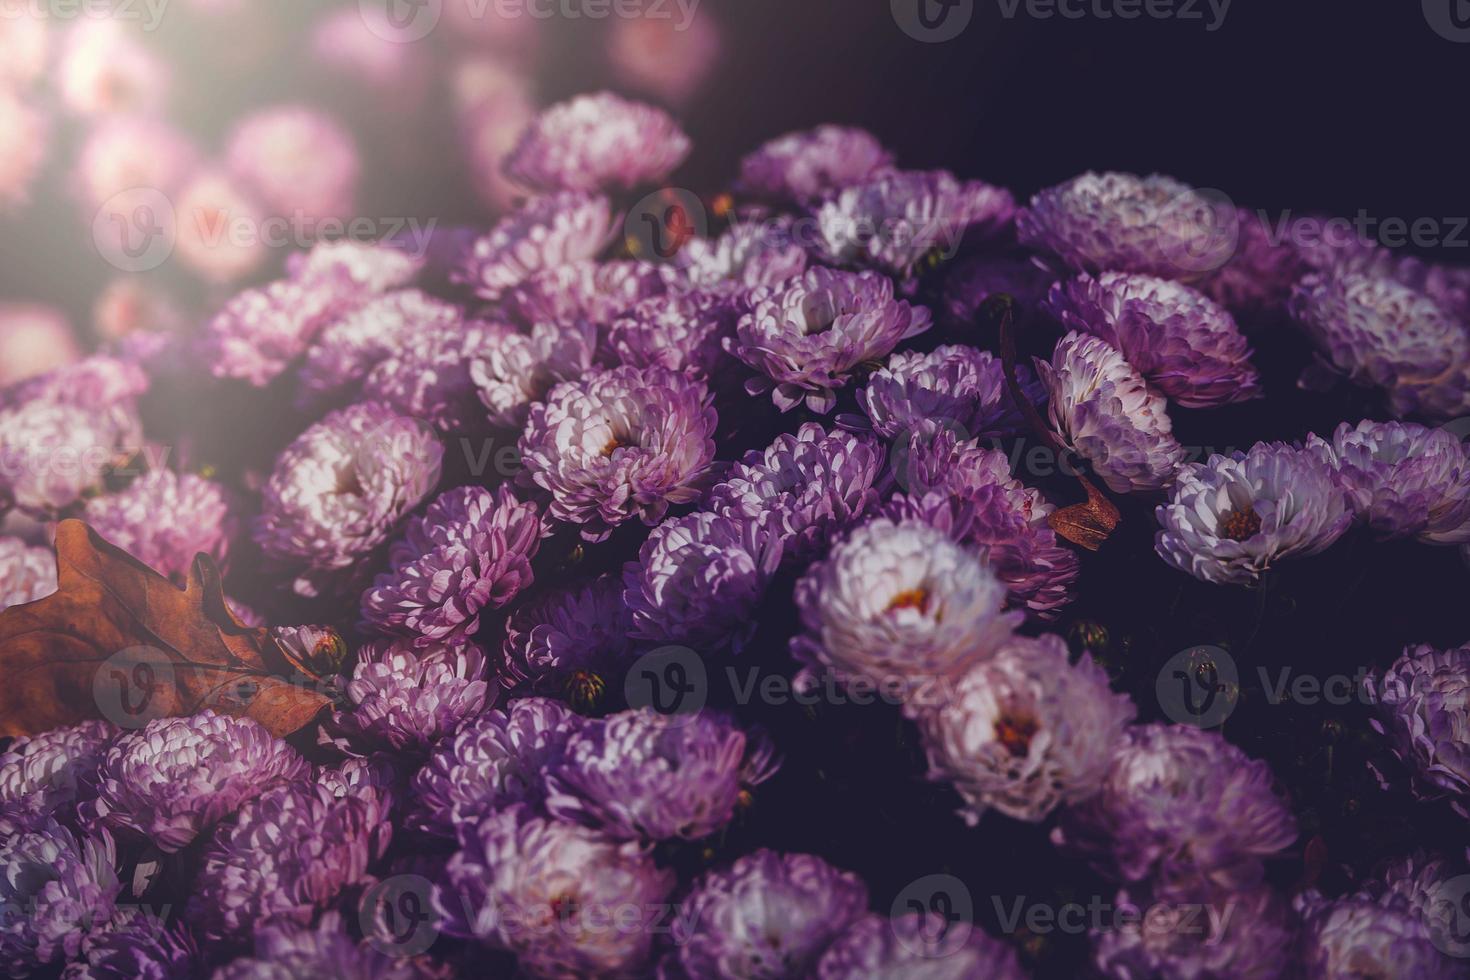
(52, 772)
(404, 697)
(751, 253)
(561, 636)
(805, 488)
(1180, 805)
(619, 444)
(684, 331)
(134, 943)
(592, 291)
(1382, 333)
(1121, 222)
(547, 891)
(261, 331)
(803, 167)
(1248, 934)
(379, 778)
(1184, 343)
(1425, 886)
(546, 232)
(26, 573)
(177, 777)
(1404, 479)
(498, 759)
(968, 493)
(807, 335)
(429, 378)
(597, 142)
(698, 580)
(1256, 282)
(289, 852)
(768, 915)
(469, 551)
(98, 382)
(1353, 937)
(1103, 410)
(1025, 731)
(53, 452)
(286, 951)
(1423, 705)
(977, 279)
(643, 775)
(1231, 518)
(375, 268)
(894, 220)
(339, 489)
(899, 602)
(164, 519)
(54, 888)
(512, 370)
(953, 386)
(929, 947)
(348, 349)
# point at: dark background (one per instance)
(1309, 105)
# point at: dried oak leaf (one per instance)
(119, 641)
(1087, 524)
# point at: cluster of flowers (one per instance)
(97, 99)
(540, 823)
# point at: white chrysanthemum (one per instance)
(1233, 517)
(1105, 412)
(900, 602)
(1026, 731)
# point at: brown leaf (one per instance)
(1087, 524)
(119, 641)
